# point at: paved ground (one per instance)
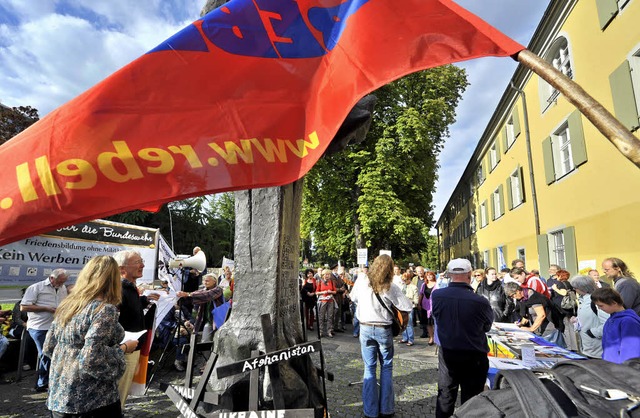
(414, 371)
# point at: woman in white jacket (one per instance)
(590, 319)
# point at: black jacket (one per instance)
(494, 293)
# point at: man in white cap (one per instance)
(462, 320)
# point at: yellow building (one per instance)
(544, 184)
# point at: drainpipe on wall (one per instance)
(534, 196)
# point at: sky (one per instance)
(53, 50)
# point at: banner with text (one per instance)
(32, 259)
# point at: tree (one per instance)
(379, 193)
(204, 221)
(14, 120)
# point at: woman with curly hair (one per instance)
(84, 344)
(624, 282)
(376, 337)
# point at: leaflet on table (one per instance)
(128, 335)
(505, 326)
(513, 364)
(557, 351)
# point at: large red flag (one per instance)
(248, 96)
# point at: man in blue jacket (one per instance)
(462, 320)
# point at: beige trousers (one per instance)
(132, 360)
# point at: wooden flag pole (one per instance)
(601, 118)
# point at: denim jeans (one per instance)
(38, 337)
(407, 334)
(4, 343)
(377, 343)
(356, 323)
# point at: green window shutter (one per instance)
(520, 177)
(570, 253)
(578, 146)
(498, 156)
(501, 194)
(503, 135)
(547, 155)
(543, 253)
(516, 122)
(509, 194)
(624, 101)
(607, 9)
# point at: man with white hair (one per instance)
(40, 302)
(462, 319)
(131, 312)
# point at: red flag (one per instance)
(249, 96)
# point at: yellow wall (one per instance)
(600, 198)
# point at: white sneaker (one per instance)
(26, 367)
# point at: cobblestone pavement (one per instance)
(414, 374)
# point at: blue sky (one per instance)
(53, 50)
(488, 78)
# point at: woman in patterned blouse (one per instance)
(83, 343)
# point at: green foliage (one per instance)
(14, 120)
(380, 191)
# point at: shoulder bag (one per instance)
(400, 319)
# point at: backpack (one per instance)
(569, 301)
(575, 388)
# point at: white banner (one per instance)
(32, 259)
(227, 262)
(363, 255)
(385, 252)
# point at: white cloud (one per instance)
(55, 53)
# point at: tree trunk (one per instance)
(266, 248)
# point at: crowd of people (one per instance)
(85, 363)
(592, 314)
(79, 330)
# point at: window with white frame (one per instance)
(493, 156)
(484, 219)
(565, 149)
(516, 188)
(511, 131)
(485, 258)
(496, 200)
(472, 222)
(521, 254)
(560, 58)
(563, 158)
(557, 248)
(480, 174)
